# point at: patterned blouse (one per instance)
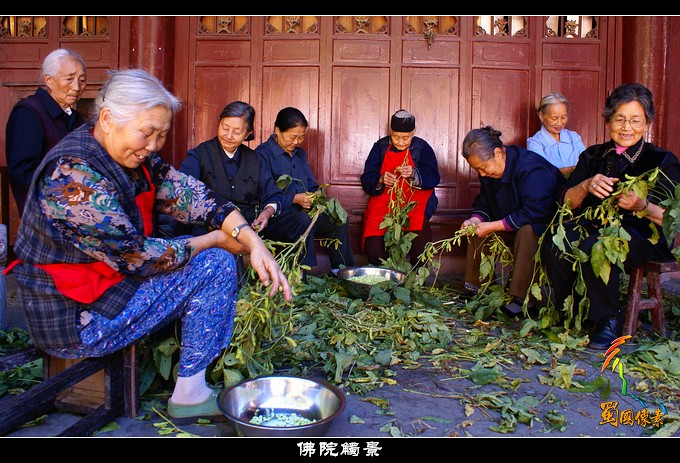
(85, 207)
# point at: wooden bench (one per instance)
(652, 272)
(100, 388)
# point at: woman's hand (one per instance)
(486, 228)
(632, 202)
(247, 242)
(262, 220)
(405, 171)
(601, 186)
(303, 200)
(469, 222)
(269, 271)
(389, 179)
(260, 258)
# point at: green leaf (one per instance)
(284, 181)
(482, 375)
(600, 382)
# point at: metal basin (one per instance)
(361, 290)
(282, 401)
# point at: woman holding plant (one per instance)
(94, 279)
(400, 173)
(283, 157)
(516, 201)
(636, 217)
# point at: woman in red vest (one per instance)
(401, 168)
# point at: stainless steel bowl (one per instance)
(363, 290)
(315, 400)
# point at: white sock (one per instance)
(191, 389)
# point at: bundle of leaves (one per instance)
(352, 341)
(611, 248)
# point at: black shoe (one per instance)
(514, 309)
(609, 329)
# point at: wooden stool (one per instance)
(652, 272)
(118, 390)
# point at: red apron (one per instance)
(379, 206)
(85, 283)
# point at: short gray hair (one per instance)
(129, 91)
(551, 99)
(52, 62)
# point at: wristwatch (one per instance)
(235, 232)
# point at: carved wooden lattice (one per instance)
(431, 26)
(85, 26)
(23, 27)
(362, 25)
(222, 25)
(501, 26)
(292, 25)
(572, 27)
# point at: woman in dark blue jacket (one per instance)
(517, 200)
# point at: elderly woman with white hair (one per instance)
(39, 121)
(92, 277)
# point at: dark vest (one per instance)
(240, 190)
(53, 130)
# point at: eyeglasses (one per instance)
(635, 123)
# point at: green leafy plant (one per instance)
(395, 223)
(23, 377)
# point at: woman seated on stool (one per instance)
(628, 112)
(92, 278)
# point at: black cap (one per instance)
(403, 121)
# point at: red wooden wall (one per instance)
(349, 74)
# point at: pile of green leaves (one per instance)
(23, 377)
(356, 342)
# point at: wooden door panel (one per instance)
(496, 54)
(216, 87)
(360, 117)
(440, 52)
(361, 52)
(218, 53)
(284, 51)
(25, 55)
(585, 103)
(432, 95)
(298, 87)
(576, 55)
(499, 99)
